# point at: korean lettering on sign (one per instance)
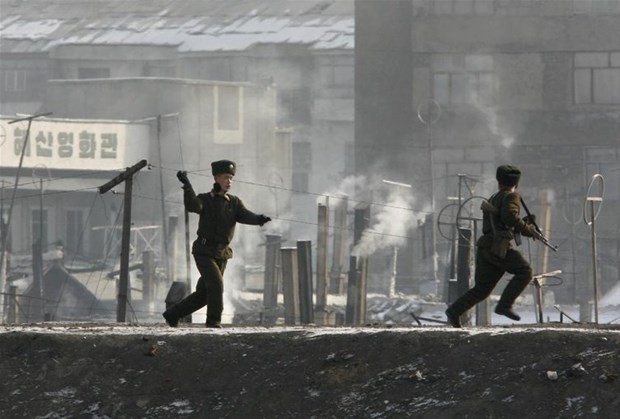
(88, 145)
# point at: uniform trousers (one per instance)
(209, 291)
(489, 270)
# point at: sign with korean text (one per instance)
(77, 144)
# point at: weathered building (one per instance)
(267, 84)
(448, 88)
(303, 50)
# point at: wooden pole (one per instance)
(12, 305)
(148, 277)
(463, 270)
(35, 313)
(352, 286)
(123, 288)
(304, 264)
(162, 200)
(270, 279)
(321, 257)
(290, 285)
(336, 285)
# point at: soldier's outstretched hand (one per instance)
(262, 219)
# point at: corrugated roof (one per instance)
(190, 25)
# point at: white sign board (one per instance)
(76, 144)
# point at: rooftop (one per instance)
(187, 25)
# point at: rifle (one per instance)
(538, 234)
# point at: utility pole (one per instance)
(433, 113)
(123, 289)
(19, 167)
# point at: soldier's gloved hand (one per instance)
(531, 232)
(262, 219)
(182, 176)
(530, 219)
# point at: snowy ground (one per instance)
(129, 371)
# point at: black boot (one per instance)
(453, 318)
(508, 312)
(214, 325)
(172, 321)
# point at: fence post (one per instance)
(351, 308)
(336, 279)
(304, 264)
(463, 270)
(321, 257)
(148, 277)
(271, 277)
(290, 285)
(12, 302)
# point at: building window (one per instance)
(93, 73)
(300, 182)
(336, 72)
(228, 107)
(14, 80)
(73, 230)
(462, 79)
(302, 165)
(597, 78)
(40, 227)
(294, 107)
(228, 122)
(463, 7)
(154, 70)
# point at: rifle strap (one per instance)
(527, 211)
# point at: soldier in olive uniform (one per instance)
(219, 212)
(494, 255)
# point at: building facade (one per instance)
(269, 86)
(449, 89)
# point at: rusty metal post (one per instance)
(148, 277)
(362, 291)
(271, 277)
(304, 264)
(290, 285)
(321, 257)
(36, 306)
(352, 287)
(11, 316)
(593, 199)
(463, 270)
(336, 280)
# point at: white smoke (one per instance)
(506, 140)
(392, 224)
(351, 186)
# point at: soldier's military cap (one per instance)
(508, 175)
(223, 167)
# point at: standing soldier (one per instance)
(219, 212)
(494, 255)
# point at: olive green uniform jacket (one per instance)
(506, 220)
(218, 216)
